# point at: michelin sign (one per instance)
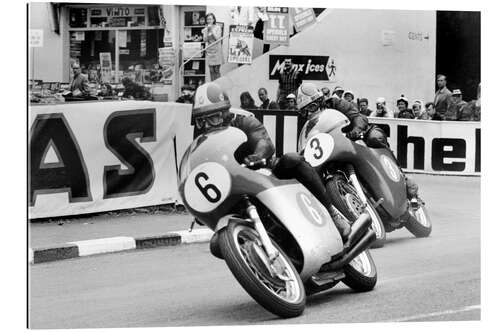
(319, 68)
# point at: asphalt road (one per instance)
(436, 278)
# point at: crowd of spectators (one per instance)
(447, 105)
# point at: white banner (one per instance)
(440, 147)
(421, 146)
(102, 156)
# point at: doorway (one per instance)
(458, 50)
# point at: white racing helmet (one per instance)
(307, 93)
(209, 98)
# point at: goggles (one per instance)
(213, 119)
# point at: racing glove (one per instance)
(355, 134)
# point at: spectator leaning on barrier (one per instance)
(187, 95)
(382, 111)
(363, 107)
(431, 111)
(79, 85)
(419, 112)
(457, 105)
(291, 102)
(326, 92)
(339, 91)
(442, 100)
(289, 81)
(472, 111)
(349, 97)
(247, 102)
(404, 112)
(267, 104)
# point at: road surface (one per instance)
(436, 278)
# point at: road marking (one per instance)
(435, 314)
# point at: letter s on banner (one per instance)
(120, 131)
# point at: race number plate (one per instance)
(391, 169)
(318, 149)
(311, 209)
(207, 186)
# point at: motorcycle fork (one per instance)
(357, 185)
(259, 227)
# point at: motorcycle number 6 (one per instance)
(318, 149)
(207, 186)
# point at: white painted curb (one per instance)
(195, 236)
(104, 245)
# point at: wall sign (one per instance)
(303, 17)
(36, 37)
(240, 44)
(320, 68)
(277, 27)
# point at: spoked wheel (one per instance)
(275, 285)
(361, 273)
(346, 199)
(419, 223)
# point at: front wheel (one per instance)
(276, 286)
(361, 273)
(419, 223)
(347, 200)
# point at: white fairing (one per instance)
(322, 122)
(308, 221)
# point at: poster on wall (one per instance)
(191, 49)
(122, 38)
(166, 59)
(277, 27)
(106, 66)
(240, 44)
(303, 18)
(36, 37)
(319, 68)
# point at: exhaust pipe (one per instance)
(359, 247)
(358, 229)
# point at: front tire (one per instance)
(419, 223)
(244, 255)
(361, 273)
(347, 200)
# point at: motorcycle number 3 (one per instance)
(318, 149)
(207, 186)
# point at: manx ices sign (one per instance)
(320, 68)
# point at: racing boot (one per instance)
(412, 193)
(341, 222)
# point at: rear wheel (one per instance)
(346, 199)
(276, 286)
(419, 223)
(361, 273)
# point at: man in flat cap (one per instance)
(457, 105)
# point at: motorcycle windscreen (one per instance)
(322, 122)
(379, 172)
(308, 221)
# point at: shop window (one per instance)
(86, 46)
(194, 70)
(78, 17)
(139, 59)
